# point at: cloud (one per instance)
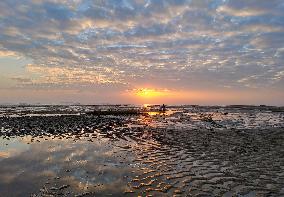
(245, 12)
(7, 53)
(44, 76)
(22, 80)
(182, 43)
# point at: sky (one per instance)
(207, 52)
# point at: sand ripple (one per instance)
(173, 156)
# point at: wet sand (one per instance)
(189, 151)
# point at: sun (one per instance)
(149, 93)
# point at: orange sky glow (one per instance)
(220, 97)
(135, 52)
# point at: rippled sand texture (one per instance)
(189, 151)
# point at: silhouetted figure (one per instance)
(163, 108)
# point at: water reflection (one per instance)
(84, 166)
(189, 150)
(10, 147)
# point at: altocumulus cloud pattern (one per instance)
(119, 43)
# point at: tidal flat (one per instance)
(186, 151)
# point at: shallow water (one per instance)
(49, 164)
(189, 151)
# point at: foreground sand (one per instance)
(188, 152)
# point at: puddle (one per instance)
(191, 150)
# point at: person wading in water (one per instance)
(163, 108)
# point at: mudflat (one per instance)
(186, 151)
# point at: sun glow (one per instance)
(150, 93)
